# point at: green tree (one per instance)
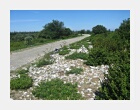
(67, 32)
(99, 29)
(53, 30)
(124, 29)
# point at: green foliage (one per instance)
(117, 87)
(22, 71)
(98, 57)
(79, 44)
(28, 40)
(113, 50)
(24, 82)
(64, 51)
(99, 29)
(46, 60)
(75, 71)
(82, 31)
(52, 30)
(124, 30)
(57, 90)
(76, 55)
(67, 32)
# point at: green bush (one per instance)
(117, 85)
(24, 82)
(64, 51)
(22, 71)
(76, 55)
(57, 90)
(28, 40)
(98, 57)
(75, 71)
(46, 60)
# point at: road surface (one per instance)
(18, 59)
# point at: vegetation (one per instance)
(46, 60)
(113, 50)
(21, 82)
(52, 31)
(22, 71)
(76, 55)
(64, 51)
(109, 48)
(99, 29)
(75, 71)
(57, 90)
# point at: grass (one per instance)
(76, 55)
(46, 60)
(22, 71)
(79, 44)
(22, 82)
(64, 51)
(21, 44)
(17, 45)
(57, 90)
(75, 71)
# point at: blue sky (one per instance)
(34, 20)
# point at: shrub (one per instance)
(117, 85)
(57, 90)
(75, 71)
(76, 55)
(64, 51)
(98, 57)
(22, 71)
(24, 82)
(46, 60)
(28, 40)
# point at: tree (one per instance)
(124, 30)
(99, 29)
(82, 31)
(53, 30)
(88, 32)
(67, 32)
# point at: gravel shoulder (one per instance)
(20, 58)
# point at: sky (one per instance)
(34, 20)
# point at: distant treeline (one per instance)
(52, 31)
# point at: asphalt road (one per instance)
(25, 56)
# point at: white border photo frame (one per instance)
(7, 5)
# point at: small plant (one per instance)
(22, 71)
(75, 46)
(64, 51)
(22, 82)
(46, 60)
(57, 90)
(75, 71)
(76, 55)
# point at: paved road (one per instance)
(18, 59)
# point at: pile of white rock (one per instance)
(83, 49)
(88, 81)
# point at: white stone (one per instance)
(89, 89)
(25, 93)
(82, 49)
(68, 69)
(106, 71)
(90, 46)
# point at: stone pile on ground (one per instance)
(88, 81)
